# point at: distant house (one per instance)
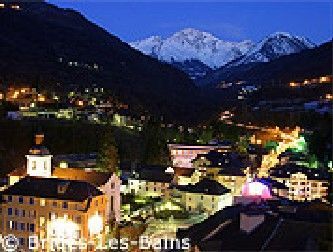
(207, 195)
(226, 168)
(182, 155)
(304, 184)
(151, 181)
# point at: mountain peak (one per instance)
(273, 46)
(192, 44)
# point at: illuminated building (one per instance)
(109, 183)
(59, 212)
(182, 154)
(226, 168)
(206, 196)
(304, 184)
(39, 165)
(149, 181)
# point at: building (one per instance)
(304, 184)
(107, 182)
(151, 181)
(272, 226)
(206, 196)
(182, 154)
(39, 164)
(56, 212)
(227, 168)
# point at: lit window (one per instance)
(33, 165)
(42, 202)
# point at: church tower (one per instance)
(39, 159)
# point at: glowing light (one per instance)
(62, 231)
(329, 96)
(256, 189)
(95, 224)
(169, 170)
(63, 164)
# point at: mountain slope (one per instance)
(63, 49)
(191, 44)
(272, 47)
(308, 63)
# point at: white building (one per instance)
(206, 196)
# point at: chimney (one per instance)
(39, 138)
(250, 220)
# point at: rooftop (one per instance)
(205, 186)
(48, 188)
(285, 171)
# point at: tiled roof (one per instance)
(48, 188)
(206, 186)
(93, 177)
(152, 173)
(285, 171)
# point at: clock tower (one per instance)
(39, 159)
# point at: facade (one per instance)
(56, 213)
(153, 182)
(182, 154)
(109, 183)
(226, 168)
(39, 164)
(205, 196)
(304, 184)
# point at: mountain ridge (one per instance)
(188, 45)
(52, 44)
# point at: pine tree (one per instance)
(108, 158)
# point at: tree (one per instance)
(108, 158)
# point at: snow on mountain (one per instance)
(191, 44)
(272, 47)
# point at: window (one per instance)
(111, 202)
(31, 201)
(65, 205)
(22, 226)
(10, 198)
(33, 165)
(21, 241)
(55, 204)
(42, 202)
(10, 211)
(32, 228)
(21, 200)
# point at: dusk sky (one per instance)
(227, 20)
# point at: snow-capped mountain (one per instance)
(197, 52)
(191, 44)
(272, 47)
